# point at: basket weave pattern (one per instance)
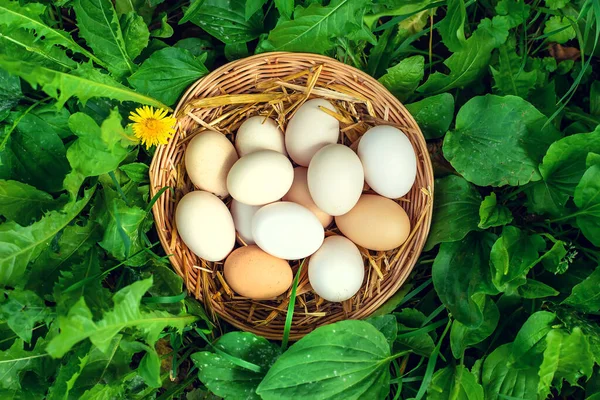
(385, 271)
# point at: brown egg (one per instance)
(252, 273)
(299, 194)
(375, 223)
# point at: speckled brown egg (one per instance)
(375, 223)
(252, 273)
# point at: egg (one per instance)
(335, 179)
(252, 273)
(336, 271)
(242, 218)
(208, 158)
(260, 177)
(205, 225)
(375, 223)
(299, 193)
(259, 133)
(309, 130)
(287, 230)
(389, 161)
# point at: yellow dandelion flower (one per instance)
(152, 127)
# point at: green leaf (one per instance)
(22, 310)
(530, 341)
(409, 321)
(10, 90)
(489, 129)
(434, 114)
(78, 324)
(20, 245)
(15, 361)
(500, 379)
(285, 8)
(556, 4)
(347, 359)
(387, 325)
(165, 30)
(491, 214)
(252, 6)
(99, 26)
(455, 210)
(313, 27)
(236, 51)
(589, 328)
(585, 295)
(103, 392)
(468, 64)
(462, 336)
(456, 383)
(567, 357)
(225, 20)
(460, 270)
(595, 98)
(513, 255)
(149, 368)
(30, 48)
(403, 78)
(516, 11)
(510, 76)
(452, 27)
(559, 29)
(135, 34)
(167, 73)
(587, 199)
(68, 374)
(231, 381)
(22, 203)
(137, 172)
(533, 289)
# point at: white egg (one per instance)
(389, 161)
(242, 218)
(261, 177)
(309, 130)
(335, 179)
(205, 225)
(259, 133)
(287, 230)
(336, 271)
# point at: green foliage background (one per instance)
(504, 302)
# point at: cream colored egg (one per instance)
(389, 161)
(309, 130)
(252, 273)
(299, 193)
(259, 133)
(208, 158)
(336, 271)
(242, 218)
(287, 230)
(335, 179)
(260, 177)
(205, 225)
(375, 223)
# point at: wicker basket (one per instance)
(363, 102)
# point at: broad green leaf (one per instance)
(516, 11)
(312, 28)
(492, 214)
(135, 34)
(587, 199)
(585, 296)
(68, 373)
(167, 73)
(46, 118)
(500, 379)
(252, 6)
(20, 245)
(456, 383)
(499, 141)
(567, 357)
(165, 30)
(285, 8)
(10, 90)
(588, 326)
(513, 255)
(410, 320)
(462, 336)
(78, 325)
(103, 392)
(22, 203)
(149, 368)
(403, 78)
(556, 4)
(137, 172)
(434, 114)
(99, 26)
(387, 325)
(452, 27)
(231, 381)
(84, 83)
(509, 75)
(236, 51)
(199, 47)
(455, 210)
(15, 361)
(533, 289)
(559, 29)
(345, 360)
(530, 341)
(468, 64)
(30, 48)
(460, 270)
(22, 310)
(225, 20)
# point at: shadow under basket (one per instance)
(275, 85)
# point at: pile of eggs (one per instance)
(280, 211)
